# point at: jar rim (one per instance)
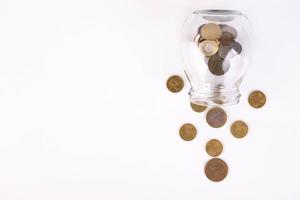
(217, 12)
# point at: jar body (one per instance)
(216, 51)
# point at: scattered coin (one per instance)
(210, 31)
(239, 129)
(198, 108)
(187, 132)
(216, 169)
(209, 47)
(236, 46)
(257, 99)
(214, 147)
(175, 83)
(216, 117)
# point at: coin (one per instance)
(226, 38)
(187, 132)
(224, 50)
(217, 66)
(214, 147)
(175, 83)
(198, 108)
(257, 99)
(210, 31)
(209, 47)
(239, 129)
(230, 29)
(216, 117)
(236, 46)
(216, 169)
(222, 25)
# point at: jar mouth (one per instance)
(217, 12)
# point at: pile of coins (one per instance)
(217, 43)
(216, 169)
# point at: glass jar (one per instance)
(216, 52)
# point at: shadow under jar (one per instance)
(216, 52)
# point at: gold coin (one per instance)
(187, 132)
(216, 117)
(175, 83)
(257, 99)
(216, 169)
(214, 147)
(209, 47)
(198, 108)
(239, 129)
(210, 31)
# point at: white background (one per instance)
(85, 114)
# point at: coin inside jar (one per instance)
(187, 132)
(230, 29)
(216, 117)
(198, 108)
(216, 169)
(239, 129)
(257, 99)
(210, 31)
(209, 47)
(237, 47)
(214, 147)
(224, 50)
(217, 66)
(175, 83)
(226, 38)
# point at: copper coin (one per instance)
(210, 31)
(257, 99)
(214, 147)
(216, 117)
(216, 169)
(217, 66)
(209, 47)
(198, 108)
(239, 129)
(226, 38)
(175, 83)
(187, 132)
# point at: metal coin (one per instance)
(210, 31)
(224, 50)
(237, 47)
(209, 47)
(214, 147)
(217, 66)
(206, 59)
(175, 84)
(222, 25)
(187, 132)
(198, 39)
(216, 169)
(226, 38)
(257, 99)
(239, 129)
(230, 29)
(216, 117)
(198, 108)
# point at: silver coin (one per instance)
(224, 50)
(231, 30)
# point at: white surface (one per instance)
(85, 114)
